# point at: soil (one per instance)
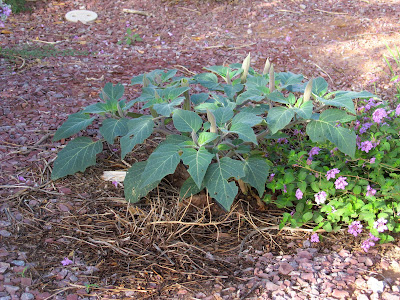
(159, 249)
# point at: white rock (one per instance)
(375, 285)
(84, 16)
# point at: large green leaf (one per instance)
(133, 188)
(232, 90)
(326, 128)
(140, 128)
(189, 188)
(256, 172)
(197, 99)
(198, 162)
(161, 162)
(278, 97)
(253, 94)
(247, 118)
(223, 114)
(279, 117)
(245, 132)
(75, 123)
(305, 110)
(165, 76)
(288, 78)
(216, 180)
(111, 94)
(186, 121)
(206, 137)
(79, 154)
(208, 80)
(171, 93)
(340, 101)
(166, 109)
(96, 108)
(111, 128)
(320, 86)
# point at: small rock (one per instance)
(308, 276)
(388, 296)
(270, 286)
(5, 233)
(368, 262)
(27, 296)
(200, 295)
(340, 294)
(285, 268)
(18, 263)
(344, 253)
(302, 6)
(11, 289)
(306, 244)
(3, 267)
(127, 294)
(375, 285)
(26, 281)
(304, 254)
(42, 296)
(5, 298)
(362, 297)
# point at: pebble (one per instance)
(285, 268)
(340, 294)
(3, 267)
(5, 233)
(18, 263)
(27, 296)
(375, 285)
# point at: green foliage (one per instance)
(18, 6)
(241, 127)
(130, 38)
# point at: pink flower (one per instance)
(397, 109)
(380, 224)
(309, 161)
(332, 173)
(314, 151)
(370, 191)
(284, 189)
(320, 197)
(366, 146)
(340, 183)
(299, 194)
(115, 183)
(372, 160)
(315, 238)
(355, 228)
(367, 244)
(378, 115)
(66, 261)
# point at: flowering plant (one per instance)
(333, 189)
(5, 11)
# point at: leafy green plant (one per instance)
(130, 38)
(221, 134)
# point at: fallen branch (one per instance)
(137, 12)
(330, 12)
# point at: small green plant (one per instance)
(394, 55)
(18, 6)
(89, 286)
(130, 38)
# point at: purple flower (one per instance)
(372, 160)
(288, 39)
(340, 183)
(320, 197)
(282, 141)
(115, 183)
(332, 173)
(20, 178)
(284, 189)
(314, 151)
(372, 237)
(271, 177)
(315, 238)
(380, 224)
(367, 244)
(397, 110)
(366, 146)
(378, 115)
(365, 127)
(66, 261)
(355, 228)
(299, 194)
(370, 191)
(309, 161)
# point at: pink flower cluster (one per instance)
(355, 228)
(379, 114)
(320, 197)
(370, 242)
(332, 173)
(341, 183)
